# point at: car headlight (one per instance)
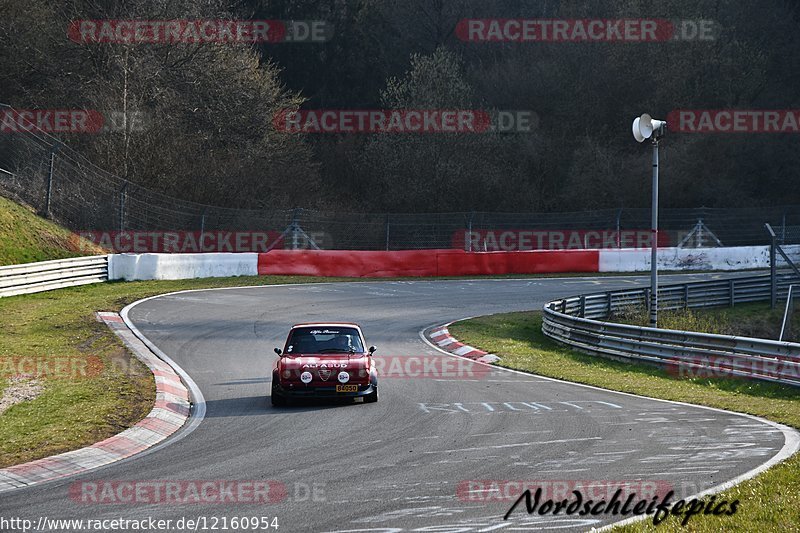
(287, 373)
(305, 377)
(362, 372)
(344, 377)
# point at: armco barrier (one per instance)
(48, 275)
(445, 262)
(132, 267)
(574, 321)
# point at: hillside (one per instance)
(26, 237)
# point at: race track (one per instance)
(397, 465)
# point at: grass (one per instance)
(25, 237)
(748, 320)
(769, 502)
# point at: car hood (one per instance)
(311, 361)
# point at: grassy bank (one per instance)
(770, 502)
(749, 320)
(26, 237)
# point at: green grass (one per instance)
(769, 502)
(748, 320)
(26, 237)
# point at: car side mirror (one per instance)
(372, 350)
(278, 351)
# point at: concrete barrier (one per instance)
(132, 267)
(430, 263)
(730, 258)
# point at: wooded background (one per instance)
(207, 134)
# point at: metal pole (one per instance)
(202, 230)
(295, 227)
(773, 274)
(50, 182)
(654, 242)
(469, 231)
(787, 315)
(122, 207)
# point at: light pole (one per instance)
(645, 127)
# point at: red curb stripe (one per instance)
(117, 445)
(442, 341)
(168, 385)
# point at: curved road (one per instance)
(404, 463)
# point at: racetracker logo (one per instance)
(382, 121)
(335, 121)
(734, 120)
(61, 367)
(430, 367)
(721, 367)
(179, 242)
(487, 240)
(509, 490)
(176, 31)
(177, 492)
(50, 120)
(585, 30)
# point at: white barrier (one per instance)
(49, 275)
(733, 258)
(130, 267)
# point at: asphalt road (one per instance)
(404, 463)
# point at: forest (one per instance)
(205, 120)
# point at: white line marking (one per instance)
(791, 437)
(501, 446)
(198, 411)
(561, 470)
(616, 453)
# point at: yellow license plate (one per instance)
(346, 388)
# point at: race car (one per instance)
(324, 360)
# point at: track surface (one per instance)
(395, 466)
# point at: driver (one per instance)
(343, 343)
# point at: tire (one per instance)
(372, 397)
(277, 399)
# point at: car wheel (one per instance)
(278, 400)
(372, 397)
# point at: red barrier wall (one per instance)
(448, 262)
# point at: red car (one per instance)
(325, 360)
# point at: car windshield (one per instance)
(329, 339)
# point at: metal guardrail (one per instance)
(578, 321)
(48, 275)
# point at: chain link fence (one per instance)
(39, 170)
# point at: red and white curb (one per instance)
(169, 414)
(441, 337)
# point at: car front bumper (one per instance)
(322, 392)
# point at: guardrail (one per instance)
(48, 275)
(577, 321)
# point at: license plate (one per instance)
(346, 388)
